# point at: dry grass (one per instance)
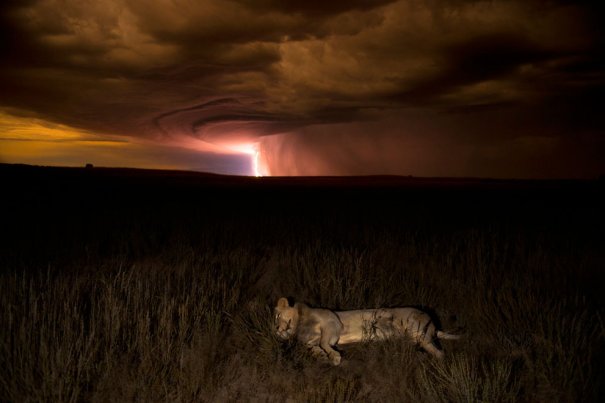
(191, 325)
(173, 303)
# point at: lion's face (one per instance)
(286, 319)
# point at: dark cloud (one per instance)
(491, 56)
(474, 87)
(314, 7)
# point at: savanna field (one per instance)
(123, 285)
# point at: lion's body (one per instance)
(322, 329)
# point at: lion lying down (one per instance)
(322, 329)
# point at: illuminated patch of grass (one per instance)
(190, 319)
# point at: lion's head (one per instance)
(286, 319)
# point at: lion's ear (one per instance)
(282, 303)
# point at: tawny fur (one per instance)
(322, 329)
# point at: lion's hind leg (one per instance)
(424, 333)
(432, 349)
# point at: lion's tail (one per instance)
(447, 336)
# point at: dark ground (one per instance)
(48, 205)
(465, 233)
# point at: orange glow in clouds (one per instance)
(36, 141)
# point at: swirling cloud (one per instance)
(473, 88)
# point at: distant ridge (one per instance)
(369, 181)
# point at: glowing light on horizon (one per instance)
(253, 151)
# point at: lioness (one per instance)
(322, 329)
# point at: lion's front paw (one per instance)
(335, 358)
(317, 352)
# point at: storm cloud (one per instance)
(419, 87)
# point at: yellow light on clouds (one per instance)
(28, 140)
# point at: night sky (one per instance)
(505, 89)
